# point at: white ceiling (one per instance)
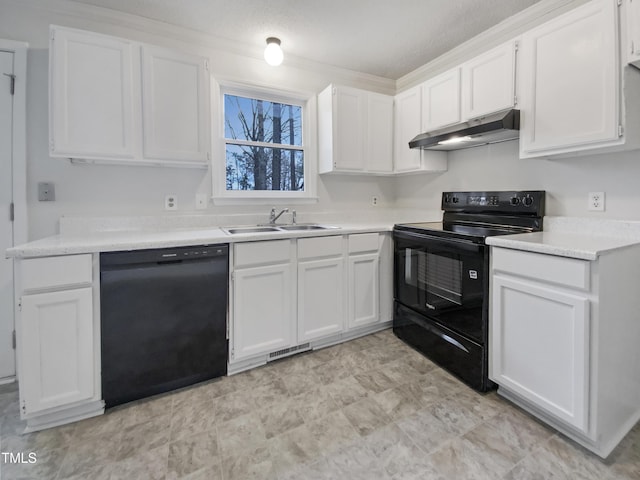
(388, 38)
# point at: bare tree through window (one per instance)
(264, 149)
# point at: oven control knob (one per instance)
(455, 199)
(515, 201)
(447, 199)
(527, 201)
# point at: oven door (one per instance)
(444, 279)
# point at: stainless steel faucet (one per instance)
(273, 217)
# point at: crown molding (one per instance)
(124, 22)
(504, 31)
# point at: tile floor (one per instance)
(370, 409)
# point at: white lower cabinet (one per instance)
(57, 356)
(540, 346)
(287, 294)
(563, 339)
(263, 305)
(320, 287)
(57, 341)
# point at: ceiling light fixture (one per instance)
(273, 53)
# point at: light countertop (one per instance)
(565, 244)
(77, 243)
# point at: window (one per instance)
(266, 152)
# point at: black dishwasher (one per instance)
(163, 319)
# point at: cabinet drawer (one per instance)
(50, 272)
(570, 272)
(320, 247)
(261, 253)
(363, 242)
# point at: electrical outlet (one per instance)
(374, 201)
(596, 201)
(171, 202)
(201, 201)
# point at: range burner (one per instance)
(441, 277)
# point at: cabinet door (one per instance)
(570, 82)
(320, 298)
(363, 290)
(441, 101)
(379, 121)
(407, 125)
(57, 357)
(540, 347)
(488, 82)
(349, 128)
(633, 32)
(175, 96)
(91, 95)
(262, 310)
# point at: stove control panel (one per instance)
(527, 202)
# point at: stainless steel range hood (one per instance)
(495, 128)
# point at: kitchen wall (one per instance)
(86, 190)
(567, 181)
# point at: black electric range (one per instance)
(441, 276)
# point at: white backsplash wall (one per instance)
(567, 181)
(105, 190)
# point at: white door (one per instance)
(57, 357)
(91, 95)
(406, 126)
(320, 298)
(540, 347)
(7, 357)
(488, 82)
(262, 310)
(441, 100)
(174, 102)
(348, 128)
(570, 82)
(364, 290)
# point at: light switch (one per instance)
(46, 192)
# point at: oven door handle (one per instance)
(452, 245)
(436, 331)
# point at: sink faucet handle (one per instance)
(294, 217)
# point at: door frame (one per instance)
(19, 154)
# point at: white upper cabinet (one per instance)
(488, 82)
(97, 86)
(379, 148)
(441, 101)
(632, 46)
(570, 82)
(174, 100)
(408, 124)
(356, 130)
(91, 95)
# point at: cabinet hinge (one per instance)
(51, 145)
(12, 212)
(233, 276)
(206, 65)
(13, 339)
(632, 47)
(20, 304)
(233, 353)
(53, 34)
(620, 130)
(208, 156)
(619, 2)
(12, 84)
(517, 45)
(515, 100)
(24, 406)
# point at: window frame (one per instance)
(308, 104)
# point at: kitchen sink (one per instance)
(277, 228)
(236, 230)
(303, 227)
